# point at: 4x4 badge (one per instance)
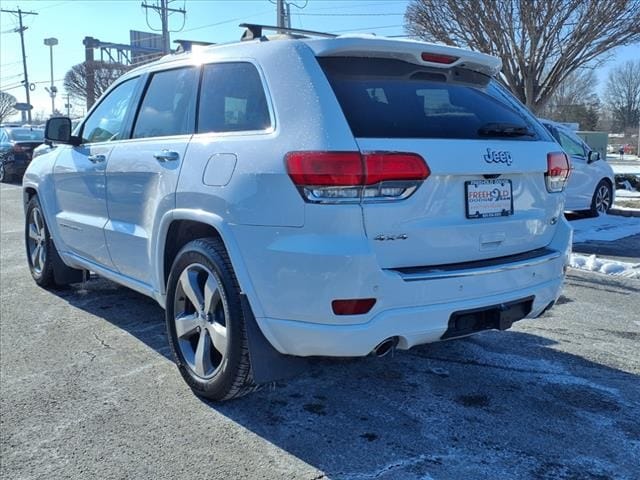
(494, 156)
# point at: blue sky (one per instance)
(209, 20)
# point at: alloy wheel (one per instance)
(2, 171)
(603, 199)
(200, 319)
(37, 241)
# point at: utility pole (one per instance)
(280, 8)
(162, 8)
(24, 56)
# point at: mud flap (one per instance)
(267, 364)
(63, 274)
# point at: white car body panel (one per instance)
(293, 258)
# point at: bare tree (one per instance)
(77, 80)
(575, 101)
(7, 101)
(622, 95)
(540, 42)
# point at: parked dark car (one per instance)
(16, 150)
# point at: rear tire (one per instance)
(205, 322)
(4, 176)
(602, 199)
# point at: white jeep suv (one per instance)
(306, 196)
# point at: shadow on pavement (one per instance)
(497, 405)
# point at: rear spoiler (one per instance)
(420, 53)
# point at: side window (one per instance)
(570, 145)
(168, 107)
(107, 121)
(232, 99)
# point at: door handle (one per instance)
(166, 156)
(96, 158)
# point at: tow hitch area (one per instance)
(495, 317)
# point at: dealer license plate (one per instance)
(488, 198)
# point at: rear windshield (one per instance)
(26, 135)
(385, 98)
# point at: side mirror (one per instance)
(593, 156)
(58, 129)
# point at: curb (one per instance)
(624, 213)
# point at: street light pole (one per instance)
(51, 42)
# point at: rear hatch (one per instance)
(485, 195)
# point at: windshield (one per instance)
(26, 135)
(385, 98)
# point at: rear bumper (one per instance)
(295, 278)
(411, 326)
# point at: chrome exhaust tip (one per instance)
(384, 347)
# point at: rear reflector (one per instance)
(438, 58)
(558, 169)
(350, 176)
(355, 306)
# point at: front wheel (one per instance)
(39, 245)
(205, 323)
(602, 199)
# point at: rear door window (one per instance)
(168, 107)
(385, 98)
(232, 99)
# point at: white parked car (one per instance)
(306, 196)
(591, 185)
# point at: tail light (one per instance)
(331, 177)
(17, 148)
(558, 169)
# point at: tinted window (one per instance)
(395, 99)
(168, 104)
(106, 122)
(232, 99)
(26, 134)
(571, 146)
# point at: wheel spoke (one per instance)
(211, 294)
(218, 335)
(203, 354)
(37, 221)
(186, 324)
(33, 232)
(41, 256)
(190, 287)
(35, 256)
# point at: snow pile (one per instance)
(606, 228)
(603, 265)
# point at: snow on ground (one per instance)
(621, 169)
(603, 265)
(627, 194)
(605, 229)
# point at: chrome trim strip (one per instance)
(437, 274)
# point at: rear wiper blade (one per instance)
(504, 130)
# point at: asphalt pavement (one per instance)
(87, 390)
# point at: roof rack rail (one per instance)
(254, 30)
(187, 45)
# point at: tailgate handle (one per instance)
(96, 158)
(166, 156)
